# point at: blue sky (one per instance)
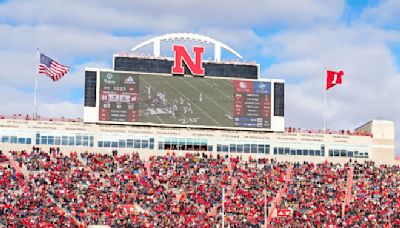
(293, 40)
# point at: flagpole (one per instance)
(325, 105)
(36, 84)
(223, 207)
(324, 111)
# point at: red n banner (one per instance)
(283, 213)
(181, 54)
(130, 209)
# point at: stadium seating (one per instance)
(57, 189)
(26, 204)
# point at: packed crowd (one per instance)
(317, 191)
(58, 189)
(23, 203)
(376, 192)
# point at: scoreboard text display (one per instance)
(176, 100)
(252, 104)
(119, 97)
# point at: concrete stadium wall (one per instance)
(380, 147)
(145, 154)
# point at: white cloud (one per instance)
(173, 15)
(69, 47)
(244, 41)
(296, 69)
(61, 109)
(385, 13)
(15, 101)
(322, 40)
(17, 68)
(65, 42)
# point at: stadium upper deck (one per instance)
(372, 141)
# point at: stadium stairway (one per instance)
(83, 161)
(234, 182)
(20, 172)
(67, 213)
(278, 197)
(14, 164)
(349, 188)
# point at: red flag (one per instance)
(333, 78)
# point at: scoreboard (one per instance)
(119, 98)
(252, 104)
(154, 99)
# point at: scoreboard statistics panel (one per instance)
(119, 97)
(176, 100)
(252, 104)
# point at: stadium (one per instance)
(184, 141)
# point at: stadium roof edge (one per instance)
(379, 120)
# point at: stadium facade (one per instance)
(154, 104)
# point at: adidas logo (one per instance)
(129, 80)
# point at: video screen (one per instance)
(176, 100)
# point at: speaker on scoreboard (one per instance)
(279, 99)
(90, 88)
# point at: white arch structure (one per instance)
(187, 36)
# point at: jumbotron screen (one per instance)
(176, 100)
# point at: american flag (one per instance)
(51, 68)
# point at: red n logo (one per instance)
(181, 54)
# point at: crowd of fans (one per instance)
(327, 131)
(24, 203)
(317, 191)
(70, 190)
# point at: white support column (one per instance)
(217, 52)
(156, 48)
